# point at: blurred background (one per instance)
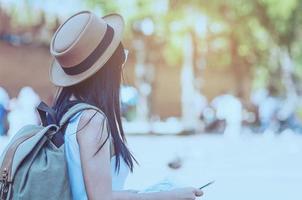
(211, 91)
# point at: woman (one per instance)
(89, 57)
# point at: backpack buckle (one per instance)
(56, 136)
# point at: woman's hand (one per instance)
(188, 193)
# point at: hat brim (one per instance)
(59, 78)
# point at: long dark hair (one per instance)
(103, 91)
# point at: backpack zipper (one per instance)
(4, 187)
(8, 159)
(7, 164)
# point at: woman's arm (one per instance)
(92, 133)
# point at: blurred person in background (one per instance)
(4, 100)
(212, 124)
(129, 100)
(268, 109)
(5, 25)
(287, 114)
(23, 110)
(97, 155)
(229, 108)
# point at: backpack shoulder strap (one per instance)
(78, 108)
(58, 138)
(47, 112)
(75, 109)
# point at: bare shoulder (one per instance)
(92, 117)
(92, 126)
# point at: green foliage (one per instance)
(279, 9)
(235, 32)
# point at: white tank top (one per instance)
(72, 154)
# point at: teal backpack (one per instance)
(33, 165)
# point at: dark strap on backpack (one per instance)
(45, 111)
(48, 116)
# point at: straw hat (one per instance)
(82, 45)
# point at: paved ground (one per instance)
(247, 168)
